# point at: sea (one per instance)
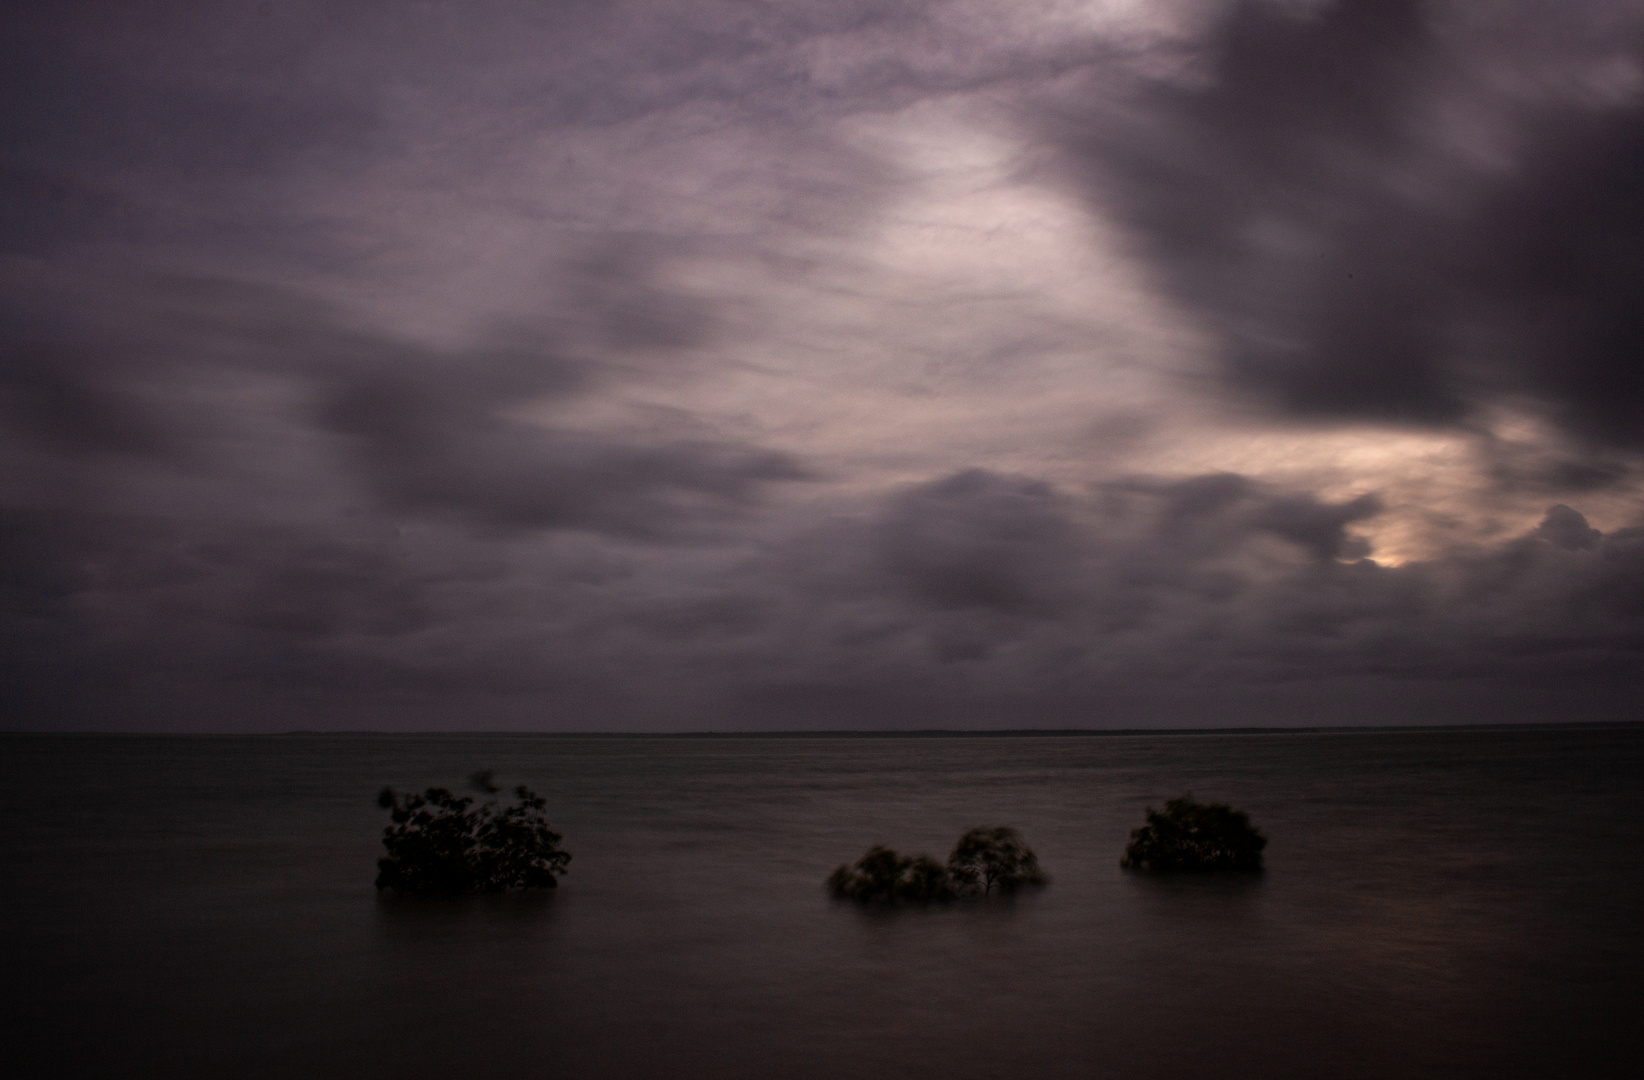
(1436, 903)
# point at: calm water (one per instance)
(1445, 904)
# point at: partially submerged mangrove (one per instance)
(985, 859)
(437, 845)
(1193, 836)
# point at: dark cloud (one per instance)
(1319, 528)
(1325, 189)
(1165, 617)
(1211, 514)
(208, 482)
(435, 435)
(1567, 529)
(500, 473)
(1198, 496)
(1008, 601)
(520, 365)
(1561, 262)
(430, 431)
(71, 402)
(43, 208)
(979, 540)
(108, 616)
(1544, 466)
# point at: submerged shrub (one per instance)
(883, 876)
(1188, 835)
(984, 859)
(437, 845)
(994, 859)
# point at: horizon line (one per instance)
(870, 733)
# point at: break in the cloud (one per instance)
(637, 366)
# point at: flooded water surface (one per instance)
(1436, 903)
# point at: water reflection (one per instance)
(408, 917)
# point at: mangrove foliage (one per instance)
(439, 843)
(984, 860)
(1194, 836)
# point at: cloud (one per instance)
(974, 598)
(1319, 527)
(1567, 529)
(707, 364)
(1163, 617)
(436, 437)
(1389, 211)
(430, 431)
(62, 398)
(979, 540)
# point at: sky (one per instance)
(681, 365)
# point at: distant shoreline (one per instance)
(915, 733)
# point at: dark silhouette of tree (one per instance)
(437, 845)
(984, 860)
(926, 882)
(1192, 836)
(883, 876)
(993, 859)
(874, 877)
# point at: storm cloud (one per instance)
(1399, 210)
(820, 365)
